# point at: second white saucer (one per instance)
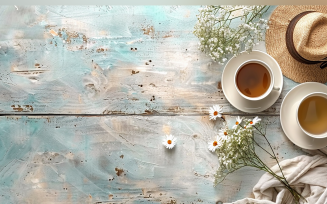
(288, 116)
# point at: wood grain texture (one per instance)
(121, 159)
(108, 60)
(138, 75)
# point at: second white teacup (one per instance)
(311, 114)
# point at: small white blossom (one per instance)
(223, 133)
(246, 26)
(242, 38)
(212, 146)
(255, 121)
(238, 121)
(215, 112)
(169, 141)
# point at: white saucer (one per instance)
(227, 81)
(288, 116)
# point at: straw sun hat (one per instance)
(297, 39)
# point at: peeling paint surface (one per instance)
(107, 60)
(79, 160)
(138, 70)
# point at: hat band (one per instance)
(290, 43)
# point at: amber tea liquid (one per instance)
(312, 115)
(253, 80)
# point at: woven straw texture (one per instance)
(310, 36)
(276, 45)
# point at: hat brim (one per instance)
(276, 45)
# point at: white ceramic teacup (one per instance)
(271, 85)
(322, 94)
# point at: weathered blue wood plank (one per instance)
(120, 160)
(111, 60)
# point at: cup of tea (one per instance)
(254, 80)
(311, 114)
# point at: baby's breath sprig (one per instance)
(236, 148)
(226, 31)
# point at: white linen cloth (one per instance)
(306, 174)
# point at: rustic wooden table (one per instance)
(89, 92)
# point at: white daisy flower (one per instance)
(238, 121)
(255, 121)
(223, 133)
(169, 142)
(212, 146)
(215, 112)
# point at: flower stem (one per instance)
(297, 196)
(274, 157)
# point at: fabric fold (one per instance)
(306, 174)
